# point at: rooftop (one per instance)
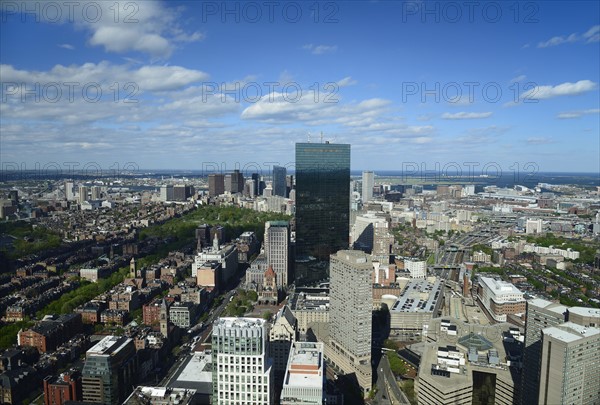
(109, 345)
(569, 332)
(305, 365)
(419, 296)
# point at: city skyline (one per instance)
(408, 88)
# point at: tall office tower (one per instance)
(368, 181)
(83, 193)
(242, 371)
(569, 369)
(349, 345)
(179, 192)
(96, 191)
(216, 184)
(540, 314)
(279, 183)
(166, 193)
(277, 248)
(69, 195)
(109, 370)
(305, 375)
(322, 207)
(256, 178)
(234, 182)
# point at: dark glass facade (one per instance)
(279, 186)
(322, 208)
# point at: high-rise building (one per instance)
(242, 370)
(234, 182)
(322, 207)
(569, 367)
(83, 193)
(305, 375)
(216, 184)
(279, 181)
(96, 192)
(368, 181)
(166, 193)
(277, 247)
(109, 372)
(542, 316)
(351, 297)
(69, 195)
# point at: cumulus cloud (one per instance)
(346, 81)
(563, 89)
(66, 46)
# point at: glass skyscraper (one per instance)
(322, 208)
(279, 186)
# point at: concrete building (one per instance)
(109, 371)
(363, 231)
(417, 268)
(182, 314)
(166, 193)
(277, 249)
(216, 184)
(305, 375)
(69, 194)
(569, 367)
(368, 181)
(349, 344)
(500, 298)
(83, 194)
(282, 335)
(309, 308)
(542, 314)
(533, 226)
(242, 370)
(226, 256)
(471, 370)
(419, 302)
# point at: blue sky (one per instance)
(186, 84)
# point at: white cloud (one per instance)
(577, 114)
(320, 49)
(66, 46)
(591, 35)
(466, 115)
(558, 41)
(519, 78)
(563, 89)
(346, 81)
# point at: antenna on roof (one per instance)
(321, 136)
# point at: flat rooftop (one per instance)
(305, 365)
(308, 302)
(569, 332)
(198, 369)
(109, 345)
(419, 296)
(585, 311)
